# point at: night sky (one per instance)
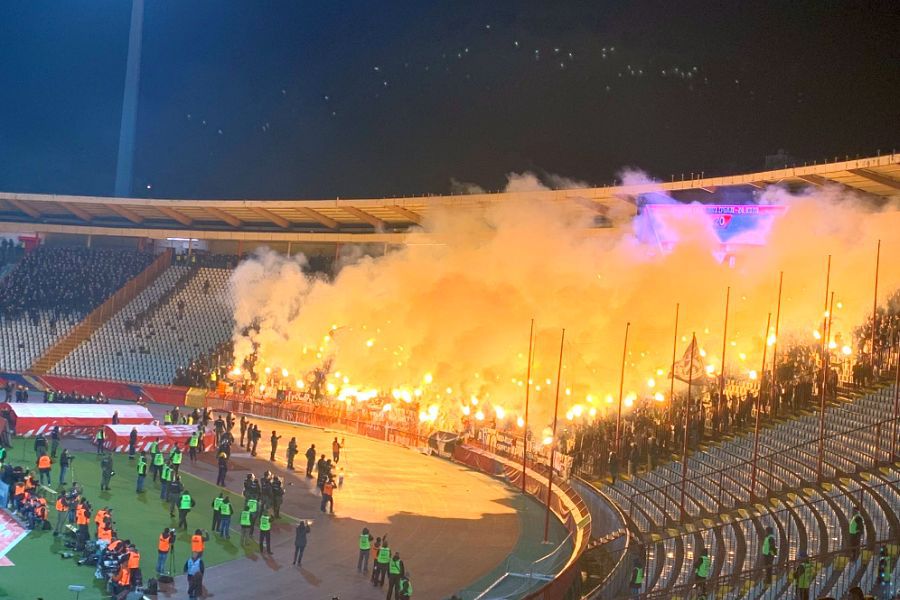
(277, 99)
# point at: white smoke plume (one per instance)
(448, 322)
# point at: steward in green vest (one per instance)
(165, 479)
(175, 458)
(637, 577)
(252, 506)
(217, 511)
(769, 551)
(184, 507)
(225, 510)
(856, 531)
(803, 576)
(141, 472)
(193, 445)
(701, 570)
(395, 566)
(265, 533)
(404, 588)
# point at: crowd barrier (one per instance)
(565, 503)
(120, 390)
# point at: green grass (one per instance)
(38, 570)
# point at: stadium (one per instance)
(449, 301)
(764, 477)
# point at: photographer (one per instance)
(166, 541)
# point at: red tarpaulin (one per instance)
(72, 419)
(117, 437)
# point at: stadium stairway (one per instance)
(806, 515)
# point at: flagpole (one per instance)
(687, 411)
(762, 387)
(527, 397)
(896, 404)
(621, 386)
(775, 345)
(672, 376)
(875, 301)
(724, 347)
(825, 360)
(562, 340)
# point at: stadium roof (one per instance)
(387, 220)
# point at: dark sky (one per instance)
(289, 98)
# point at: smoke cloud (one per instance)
(447, 322)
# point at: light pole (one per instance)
(125, 157)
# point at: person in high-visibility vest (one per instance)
(158, 461)
(246, 523)
(265, 532)
(175, 458)
(769, 552)
(185, 504)
(62, 511)
(803, 577)
(165, 478)
(885, 583)
(856, 527)
(365, 546)
(328, 496)
(122, 581)
(141, 472)
(198, 540)
(253, 506)
(167, 418)
(134, 561)
(166, 539)
(216, 515)
(193, 444)
(82, 520)
(637, 577)
(404, 590)
(702, 567)
(225, 510)
(395, 571)
(98, 441)
(382, 560)
(43, 465)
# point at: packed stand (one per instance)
(66, 281)
(10, 252)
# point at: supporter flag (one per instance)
(690, 368)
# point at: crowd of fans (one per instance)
(66, 281)
(18, 393)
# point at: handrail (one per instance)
(618, 574)
(774, 454)
(736, 580)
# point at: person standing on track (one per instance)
(336, 450)
(132, 443)
(193, 443)
(194, 569)
(265, 533)
(166, 539)
(273, 442)
(365, 546)
(396, 570)
(300, 542)
(382, 560)
(291, 453)
(310, 460)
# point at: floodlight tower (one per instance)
(125, 158)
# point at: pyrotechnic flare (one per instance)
(442, 323)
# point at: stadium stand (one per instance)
(49, 290)
(184, 313)
(806, 516)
